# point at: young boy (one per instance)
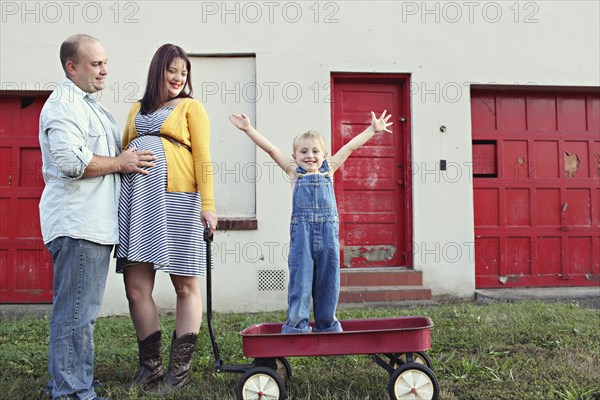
(314, 259)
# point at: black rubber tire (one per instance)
(425, 359)
(284, 369)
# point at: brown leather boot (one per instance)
(150, 357)
(180, 362)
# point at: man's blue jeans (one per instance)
(80, 272)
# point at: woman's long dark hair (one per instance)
(156, 90)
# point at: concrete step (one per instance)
(381, 285)
(389, 276)
(585, 297)
(377, 294)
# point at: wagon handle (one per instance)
(208, 238)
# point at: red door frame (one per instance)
(402, 126)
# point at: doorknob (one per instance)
(565, 206)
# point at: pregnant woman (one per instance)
(162, 215)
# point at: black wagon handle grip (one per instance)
(208, 237)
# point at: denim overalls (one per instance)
(314, 260)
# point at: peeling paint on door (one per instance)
(370, 254)
(571, 164)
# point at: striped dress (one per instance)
(155, 226)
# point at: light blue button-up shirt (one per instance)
(74, 127)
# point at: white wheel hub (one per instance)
(413, 384)
(260, 387)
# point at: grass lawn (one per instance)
(498, 351)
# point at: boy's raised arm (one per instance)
(242, 122)
(380, 124)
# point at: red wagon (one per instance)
(396, 344)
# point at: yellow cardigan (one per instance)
(187, 171)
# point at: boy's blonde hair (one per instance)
(311, 135)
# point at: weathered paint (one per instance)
(571, 164)
(368, 254)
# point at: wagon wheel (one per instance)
(279, 365)
(420, 357)
(284, 370)
(413, 381)
(261, 383)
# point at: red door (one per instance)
(25, 265)
(536, 158)
(372, 186)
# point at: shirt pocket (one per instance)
(97, 139)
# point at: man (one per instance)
(82, 162)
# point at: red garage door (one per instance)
(536, 165)
(372, 188)
(25, 265)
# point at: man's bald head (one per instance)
(69, 50)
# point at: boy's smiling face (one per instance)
(309, 155)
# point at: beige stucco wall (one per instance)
(445, 46)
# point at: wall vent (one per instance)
(271, 280)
